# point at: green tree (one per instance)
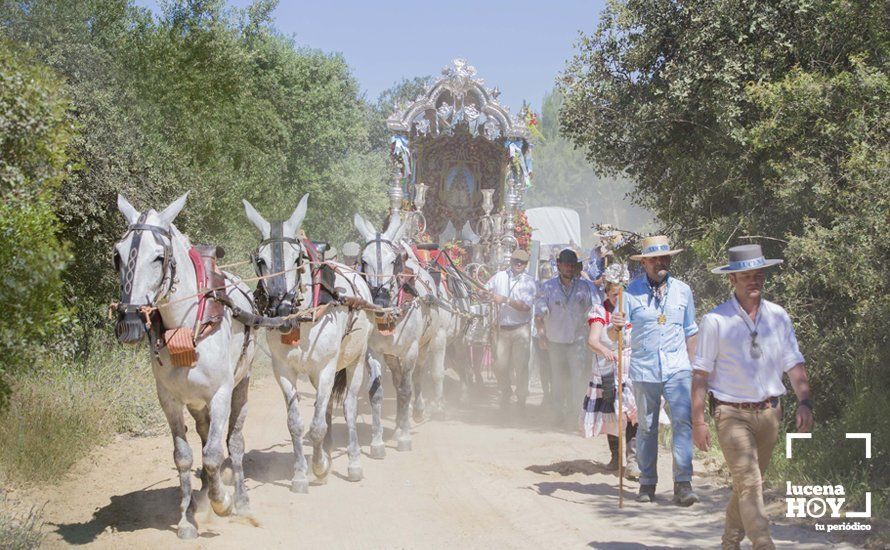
(763, 121)
(34, 133)
(398, 95)
(201, 98)
(564, 177)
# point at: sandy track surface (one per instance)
(473, 480)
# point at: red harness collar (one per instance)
(202, 280)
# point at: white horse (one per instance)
(155, 269)
(453, 299)
(452, 303)
(399, 282)
(330, 349)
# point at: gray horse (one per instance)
(328, 346)
(159, 282)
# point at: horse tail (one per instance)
(339, 386)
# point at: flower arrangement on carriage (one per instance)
(522, 230)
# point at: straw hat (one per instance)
(520, 254)
(351, 249)
(745, 257)
(657, 245)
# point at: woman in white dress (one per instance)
(599, 413)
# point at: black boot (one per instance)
(613, 447)
(632, 470)
(683, 494)
(646, 494)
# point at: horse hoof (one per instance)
(187, 532)
(319, 480)
(355, 473)
(404, 445)
(322, 470)
(299, 486)
(418, 416)
(378, 452)
(224, 506)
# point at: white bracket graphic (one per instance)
(867, 512)
(867, 438)
(789, 437)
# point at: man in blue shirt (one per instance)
(561, 312)
(662, 312)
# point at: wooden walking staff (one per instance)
(617, 273)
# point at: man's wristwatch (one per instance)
(805, 403)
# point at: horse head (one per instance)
(278, 258)
(144, 262)
(382, 258)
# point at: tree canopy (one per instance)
(565, 177)
(201, 98)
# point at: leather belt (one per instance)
(512, 327)
(771, 403)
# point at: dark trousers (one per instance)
(569, 367)
(543, 362)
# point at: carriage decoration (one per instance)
(462, 165)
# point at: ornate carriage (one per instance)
(462, 165)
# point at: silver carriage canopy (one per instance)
(461, 157)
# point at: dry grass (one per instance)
(19, 530)
(59, 412)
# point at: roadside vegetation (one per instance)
(767, 122)
(102, 97)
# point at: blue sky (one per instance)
(519, 46)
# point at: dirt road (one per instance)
(473, 480)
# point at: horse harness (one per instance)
(168, 267)
(180, 343)
(268, 286)
(398, 268)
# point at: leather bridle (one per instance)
(398, 266)
(168, 268)
(275, 286)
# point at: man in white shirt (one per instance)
(744, 346)
(513, 290)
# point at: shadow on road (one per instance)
(142, 509)
(571, 467)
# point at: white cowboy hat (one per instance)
(745, 257)
(657, 245)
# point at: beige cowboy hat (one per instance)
(745, 257)
(656, 245)
(520, 255)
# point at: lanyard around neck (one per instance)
(747, 318)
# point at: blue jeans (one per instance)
(677, 391)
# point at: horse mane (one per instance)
(177, 234)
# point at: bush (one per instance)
(33, 134)
(60, 411)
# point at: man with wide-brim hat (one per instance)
(513, 290)
(662, 312)
(744, 346)
(561, 311)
